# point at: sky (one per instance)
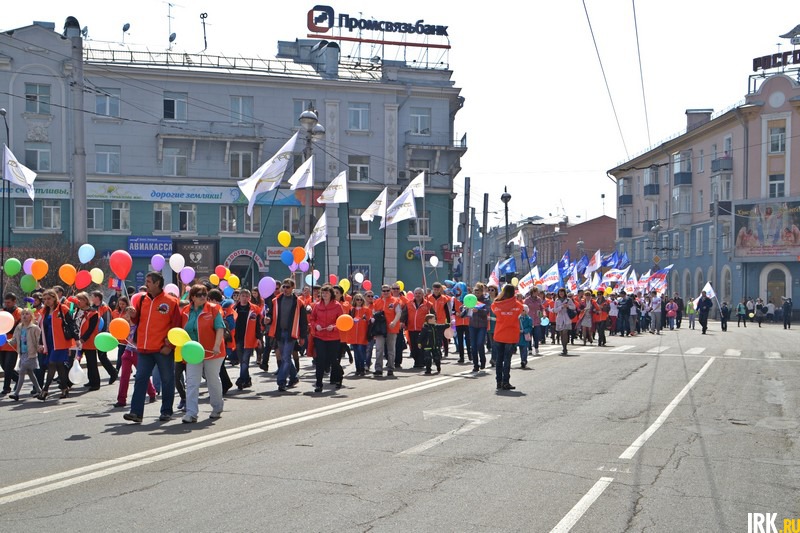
(537, 114)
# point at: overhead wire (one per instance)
(641, 73)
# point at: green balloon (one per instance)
(27, 283)
(105, 342)
(12, 266)
(470, 300)
(193, 352)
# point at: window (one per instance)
(721, 187)
(421, 226)
(107, 159)
(681, 200)
(421, 120)
(23, 213)
(727, 144)
(636, 250)
(415, 166)
(121, 216)
(175, 106)
(252, 224)
(37, 156)
(162, 216)
(777, 140)
(94, 216)
(665, 244)
(714, 151)
(107, 102)
(651, 175)
(701, 163)
(676, 244)
(623, 218)
(302, 105)
(37, 99)
(726, 237)
(682, 162)
(175, 161)
(187, 218)
(242, 109)
(51, 214)
(358, 168)
(700, 201)
(358, 226)
(687, 247)
(291, 220)
(698, 241)
(638, 185)
(776, 185)
(624, 186)
(241, 164)
(358, 117)
(227, 218)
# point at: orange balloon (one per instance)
(119, 328)
(39, 269)
(67, 273)
(344, 323)
(299, 253)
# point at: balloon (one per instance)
(359, 277)
(187, 275)
(470, 300)
(83, 279)
(284, 238)
(6, 322)
(304, 266)
(172, 289)
(178, 336)
(105, 342)
(39, 269)
(27, 283)
(345, 284)
(178, 354)
(157, 262)
(299, 254)
(101, 325)
(227, 274)
(545, 321)
(120, 263)
(12, 266)
(449, 282)
(434, 261)
(214, 279)
(460, 290)
(287, 258)
(26, 266)
(67, 274)
(401, 285)
(293, 266)
(608, 290)
(193, 352)
(223, 284)
(234, 281)
(177, 262)
(97, 275)
(86, 253)
(3, 339)
(751, 315)
(367, 285)
(449, 333)
(344, 323)
(266, 286)
(515, 281)
(309, 280)
(119, 328)
(228, 291)
(220, 271)
(316, 275)
(333, 279)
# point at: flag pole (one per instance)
(261, 235)
(349, 244)
(422, 257)
(383, 258)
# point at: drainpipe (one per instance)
(745, 180)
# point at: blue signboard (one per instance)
(149, 246)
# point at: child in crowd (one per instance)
(27, 339)
(430, 344)
(525, 336)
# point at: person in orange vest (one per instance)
(105, 316)
(288, 326)
(88, 325)
(8, 355)
(440, 306)
(358, 334)
(417, 309)
(507, 310)
(247, 334)
(323, 321)
(391, 311)
(55, 344)
(600, 318)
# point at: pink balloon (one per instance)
(27, 265)
(293, 267)
(223, 284)
(172, 289)
(316, 275)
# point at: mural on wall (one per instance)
(767, 229)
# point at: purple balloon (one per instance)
(26, 266)
(304, 266)
(266, 286)
(223, 284)
(158, 262)
(293, 267)
(187, 275)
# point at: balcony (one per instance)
(722, 164)
(436, 141)
(651, 189)
(683, 178)
(625, 233)
(723, 208)
(625, 199)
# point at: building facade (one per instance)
(167, 136)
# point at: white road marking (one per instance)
(59, 409)
(623, 348)
(695, 351)
(658, 349)
(583, 348)
(772, 355)
(475, 419)
(582, 506)
(639, 442)
(730, 352)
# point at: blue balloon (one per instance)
(287, 258)
(86, 253)
(228, 291)
(449, 282)
(101, 324)
(309, 280)
(3, 339)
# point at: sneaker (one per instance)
(293, 382)
(508, 386)
(378, 373)
(132, 417)
(188, 419)
(523, 364)
(390, 372)
(318, 388)
(165, 418)
(215, 414)
(121, 404)
(14, 397)
(152, 399)
(536, 351)
(282, 388)
(499, 386)
(181, 405)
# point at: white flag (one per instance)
(594, 263)
(519, 240)
(417, 185)
(318, 234)
(709, 290)
(268, 176)
(18, 174)
(303, 177)
(336, 191)
(402, 208)
(377, 208)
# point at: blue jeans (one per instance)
(166, 368)
(537, 335)
(503, 353)
(286, 368)
(243, 354)
(360, 355)
(523, 352)
(477, 345)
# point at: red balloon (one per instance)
(120, 263)
(332, 279)
(220, 271)
(367, 284)
(83, 279)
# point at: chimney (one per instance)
(697, 117)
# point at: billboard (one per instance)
(767, 229)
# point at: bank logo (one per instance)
(765, 523)
(320, 19)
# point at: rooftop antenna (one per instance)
(125, 28)
(172, 35)
(203, 17)
(85, 32)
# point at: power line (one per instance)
(641, 73)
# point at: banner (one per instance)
(767, 229)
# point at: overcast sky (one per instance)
(537, 114)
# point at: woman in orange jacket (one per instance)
(323, 322)
(507, 310)
(55, 344)
(358, 334)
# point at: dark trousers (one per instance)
(8, 360)
(416, 351)
(787, 320)
(328, 357)
(503, 351)
(93, 371)
(180, 383)
(433, 356)
(601, 332)
(399, 346)
(678, 319)
(703, 319)
(743, 318)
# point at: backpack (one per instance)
(68, 325)
(378, 327)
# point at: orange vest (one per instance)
(439, 306)
(88, 344)
(57, 330)
(507, 328)
(206, 334)
(250, 339)
(361, 317)
(416, 314)
(457, 306)
(154, 318)
(273, 326)
(391, 307)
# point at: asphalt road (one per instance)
(658, 433)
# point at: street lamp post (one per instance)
(313, 131)
(506, 198)
(3, 224)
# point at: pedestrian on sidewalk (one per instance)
(26, 339)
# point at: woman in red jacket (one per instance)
(358, 334)
(507, 310)
(56, 346)
(323, 322)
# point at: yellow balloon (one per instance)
(227, 275)
(214, 279)
(284, 238)
(515, 281)
(608, 290)
(344, 284)
(178, 356)
(233, 281)
(401, 285)
(97, 275)
(178, 336)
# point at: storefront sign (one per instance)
(781, 59)
(244, 252)
(200, 255)
(149, 246)
(274, 253)
(767, 229)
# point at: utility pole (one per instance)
(466, 244)
(72, 31)
(483, 233)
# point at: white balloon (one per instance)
(434, 261)
(359, 277)
(177, 262)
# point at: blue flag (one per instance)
(610, 260)
(623, 261)
(509, 266)
(523, 253)
(580, 266)
(563, 264)
(533, 256)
